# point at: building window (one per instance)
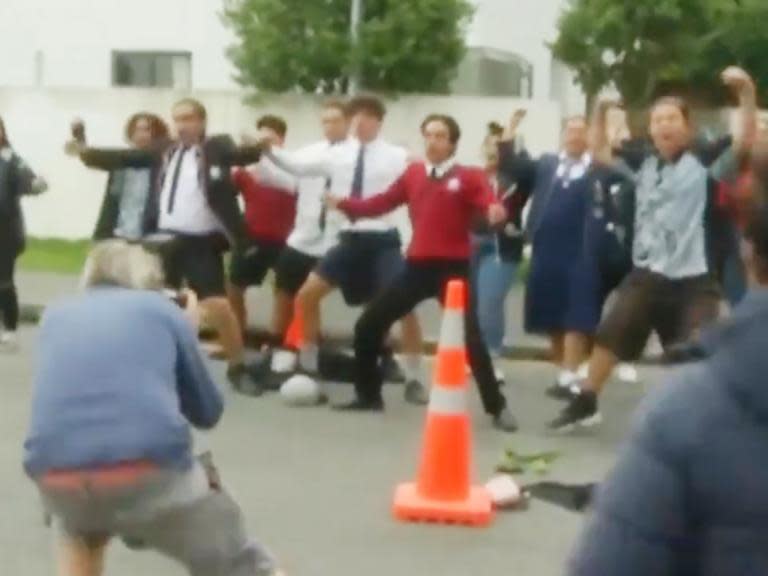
(152, 69)
(489, 72)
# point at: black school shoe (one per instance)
(246, 380)
(358, 405)
(581, 412)
(564, 393)
(416, 393)
(505, 421)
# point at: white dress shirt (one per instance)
(569, 169)
(267, 173)
(441, 169)
(190, 213)
(308, 237)
(383, 165)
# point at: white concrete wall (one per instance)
(38, 123)
(76, 38)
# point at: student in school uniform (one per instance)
(368, 255)
(315, 231)
(198, 211)
(443, 198)
(671, 289)
(269, 195)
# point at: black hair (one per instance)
(196, 105)
(454, 131)
(157, 126)
(274, 123)
(337, 104)
(368, 104)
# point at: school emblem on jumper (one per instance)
(215, 173)
(454, 185)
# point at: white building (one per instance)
(102, 60)
(181, 44)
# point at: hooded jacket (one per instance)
(689, 495)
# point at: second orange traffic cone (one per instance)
(294, 337)
(443, 492)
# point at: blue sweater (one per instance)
(689, 494)
(119, 378)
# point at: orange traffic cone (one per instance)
(294, 337)
(442, 492)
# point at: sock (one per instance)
(308, 357)
(412, 367)
(566, 379)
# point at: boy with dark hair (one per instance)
(444, 199)
(368, 255)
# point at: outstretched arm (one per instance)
(378, 205)
(116, 158)
(27, 182)
(298, 163)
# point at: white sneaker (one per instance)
(9, 343)
(628, 373)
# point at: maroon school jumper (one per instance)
(270, 211)
(442, 210)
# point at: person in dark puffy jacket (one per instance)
(689, 495)
(16, 180)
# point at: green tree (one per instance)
(304, 46)
(646, 47)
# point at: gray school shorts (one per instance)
(175, 513)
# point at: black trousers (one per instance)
(420, 281)
(9, 301)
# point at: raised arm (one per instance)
(740, 82)
(245, 155)
(378, 205)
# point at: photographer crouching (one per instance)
(120, 381)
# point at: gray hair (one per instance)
(118, 263)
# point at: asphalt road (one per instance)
(316, 486)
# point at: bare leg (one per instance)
(219, 315)
(411, 347)
(557, 347)
(311, 295)
(411, 336)
(282, 314)
(77, 558)
(236, 296)
(601, 366)
(575, 350)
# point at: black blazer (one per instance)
(100, 159)
(220, 154)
